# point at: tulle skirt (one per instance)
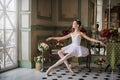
(76, 50)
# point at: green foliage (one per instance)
(38, 59)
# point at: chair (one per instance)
(96, 46)
(88, 60)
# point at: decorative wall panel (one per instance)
(68, 10)
(44, 9)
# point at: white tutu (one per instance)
(74, 48)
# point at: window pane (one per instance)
(11, 20)
(11, 5)
(1, 42)
(8, 21)
(1, 48)
(2, 1)
(1, 37)
(10, 56)
(7, 2)
(1, 57)
(10, 38)
(1, 19)
(0, 6)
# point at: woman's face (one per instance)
(75, 25)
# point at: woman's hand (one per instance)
(48, 39)
(102, 43)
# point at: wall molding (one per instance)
(25, 64)
(48, 28)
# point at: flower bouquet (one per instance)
(39, 60)
(43, 46)
(99, 62)
(105, 33)
(59, 44)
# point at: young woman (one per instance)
(73, 49)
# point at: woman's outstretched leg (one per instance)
(61, 54)
(60, 61)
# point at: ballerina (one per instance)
(73, 49)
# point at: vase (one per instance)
(38, 66)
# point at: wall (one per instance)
(84, 12)
(59, 15)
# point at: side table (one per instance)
(113, 54)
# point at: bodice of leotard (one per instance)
(76, 39)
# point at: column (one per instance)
(99, 13)
(25, 33)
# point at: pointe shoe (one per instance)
(72, 73)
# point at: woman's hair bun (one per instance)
(78, 21)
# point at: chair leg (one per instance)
(107, 67)
(88, 60)
(118, 66)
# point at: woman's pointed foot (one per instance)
(72, 73)
(48, 71)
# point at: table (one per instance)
(113, 53)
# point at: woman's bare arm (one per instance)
(91, 39)
(59, 38)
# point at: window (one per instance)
(8, 33)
